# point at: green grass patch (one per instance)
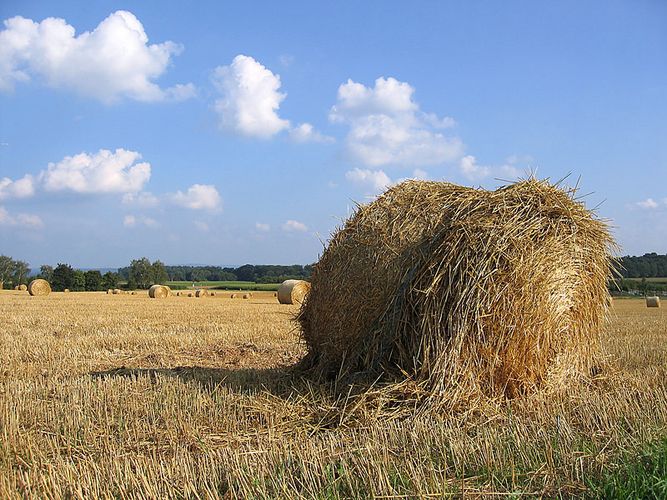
(224, 285)
(639, 476)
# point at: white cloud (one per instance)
(293, 225)
(305, 132)
(374, 181)
(471, 169)
(250, 98)
(143, 199)
(420, 174)
(198, 197)
(134, 221)
(648, 203)
(21, 188)
(202, 226)
(112, 61)
(262, 227)
(30, 221)
(388, 128)
(102, 172)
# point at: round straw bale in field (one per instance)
(23, 287)
(212, 294)
(275, 294)
(232, 296)
(39, 287)
(462, 291)
(178, 294)
(109, 291)
(652, 301)
(116, 291)
(246, 295)
(189, 294)
(133, 292)
(158, 292)
(201, 293)
(293, 291)
(16, 287)
(66, 290)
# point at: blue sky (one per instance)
(231, 133)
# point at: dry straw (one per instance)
(159, 292)
(232, 296)
(246, 295)
(109, 291)
(293, 291)
(66, 290)
(116, 291)
(23, 287)
(652, 301)
(201, 293)
(39, 287)
(460, 292)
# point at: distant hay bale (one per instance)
(652, 301)
(293, 291)
(133, 292)
(246, 295)
(158, 292)
(16, 287)
(178, 294)
(23, 287)
(109, 291)
(39, 287)
(116, 291)
(66, 290)
(201, 293)
(189, 294)
(212, 294)
(232, 296)
(465, 292)
(275, 294)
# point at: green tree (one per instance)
(63, 277)
(110, 280)
(141, 273)
(79, 282)
(159, 272)
(21, 271)
(46, 271)
(93, 280)
(6, 269)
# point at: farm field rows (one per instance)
(124, 396)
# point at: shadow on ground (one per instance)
(278, 380)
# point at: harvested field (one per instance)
(124, 396)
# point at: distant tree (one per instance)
(110, 280)
(246, 273)
(46, 272)
(93, 280)
(141, 273)
(21, 271)
(199, 275)
(79, 282)
(6, 269)
(159, 272)
(63, 277)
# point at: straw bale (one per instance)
(246, 295)
(232, 296)
(293, 291)
(109, 291)
(23, 287)
(460, 292)
(201, 293)
(39, 287)
(652, 301)
(189, 294)
(158, 292)
(66, 290)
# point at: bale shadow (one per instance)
(279, 381)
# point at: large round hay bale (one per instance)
(158, 292)
(23, 287)
(652, 301)
(201, 293)
(293, 291)
(464, 291)
(39, 287)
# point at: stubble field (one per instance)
(123, 396)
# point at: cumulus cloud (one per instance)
(198, 197)
(30, 221)
(250, 98)
(102, 172)
(387, 127)
(373, 181)
(471, 169)
(648, 204)
(139, 220)
(113, 61)
(305, 132)
(20, 188)
(262, 227)
(294, 226)
(143, 199)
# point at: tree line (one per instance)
(649, 265)
(141, 274)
